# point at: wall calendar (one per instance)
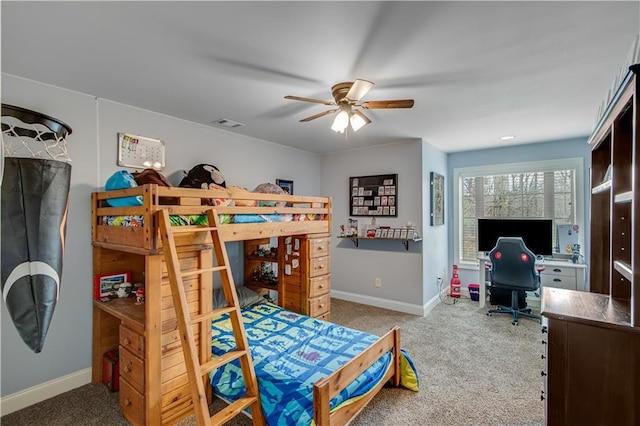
(140, 152)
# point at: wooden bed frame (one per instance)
(153, 385)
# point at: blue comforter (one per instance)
(290, 353)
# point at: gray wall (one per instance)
(406, 275)
(92, 146)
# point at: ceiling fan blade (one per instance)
(358, 90)
(399, 103)
(317, 101)
(361, 115)
(321, 114)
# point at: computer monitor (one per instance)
(536, 233)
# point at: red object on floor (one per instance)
(455, 283)
(111, 370)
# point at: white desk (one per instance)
(557, 273)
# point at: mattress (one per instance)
(183, 220)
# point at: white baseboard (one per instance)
(393, 305)
(39, 393)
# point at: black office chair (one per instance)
(513, 267)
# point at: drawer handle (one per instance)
(557, 270)
(126, 341)
(557, 280)
(321, 286)
(128, 368)
(320, 248)
(542, 373)
(127, 402)
(320, 306)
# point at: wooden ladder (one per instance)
(197, 372)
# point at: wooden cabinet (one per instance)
(305, 280)
(154, 388)
(593, 373)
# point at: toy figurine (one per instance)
(140, 296)
(342, 230)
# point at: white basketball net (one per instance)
(41, 142)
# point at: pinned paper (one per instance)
(288, 248)
(296, 244)
(295, 263)
(287, 269)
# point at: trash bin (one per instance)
(474, 291)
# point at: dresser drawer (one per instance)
(132, 369)
(559, 271)
(325, 316)
(132, 341)
(559, 281)
(132, 404)
(319, 305)
(319, 266)
(319, 285)
(318, 247)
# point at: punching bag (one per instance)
(35, 200)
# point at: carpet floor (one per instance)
(474, 370)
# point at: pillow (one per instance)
(246, 297)
(122, 179)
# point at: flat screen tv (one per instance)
(536, 233)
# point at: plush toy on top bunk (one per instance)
(201, 176)
(206, 176)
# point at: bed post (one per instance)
(321, 402)
(396, 356)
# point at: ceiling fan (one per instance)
(347, 97)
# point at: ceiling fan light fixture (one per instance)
(357, 122)
(341, 122)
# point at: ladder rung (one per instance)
(197, 319)
(232, 410)
(202, 271)
(188, 229)
(221, 360)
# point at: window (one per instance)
(549, 189)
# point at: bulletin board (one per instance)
(375, 195)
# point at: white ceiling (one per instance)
(477, 70)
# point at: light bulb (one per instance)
(357, 122)
(341, 122)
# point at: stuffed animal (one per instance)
(270, 188)
(201, 176)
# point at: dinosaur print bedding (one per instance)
(290, 353)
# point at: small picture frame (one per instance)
(411, 234)
(396, 233)
(106, 285)
(403, 234)
(383, 233)
(286, 185)
(378, 233)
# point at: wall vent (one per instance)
(227, 123)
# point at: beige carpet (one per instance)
(474, 370)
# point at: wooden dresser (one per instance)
(593, 344)
(304, 274)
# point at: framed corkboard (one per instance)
(375, 195)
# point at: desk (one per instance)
(557, 273)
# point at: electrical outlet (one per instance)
(378, 282)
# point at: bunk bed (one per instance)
(153, 383)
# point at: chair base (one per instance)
(514, 310)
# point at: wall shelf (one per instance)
(404, 241)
